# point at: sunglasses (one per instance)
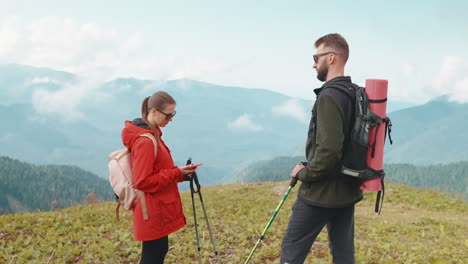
(317, 56)
(168, 116)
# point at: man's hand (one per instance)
(296, 170)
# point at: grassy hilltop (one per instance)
(415, 226)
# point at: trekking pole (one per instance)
(189, 161)
(285, 196)
(193, 190)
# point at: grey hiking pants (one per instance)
(305, 224)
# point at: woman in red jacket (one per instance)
(156, 176)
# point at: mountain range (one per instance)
(226, 128)
(431, 133)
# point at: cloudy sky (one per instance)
(419, 46)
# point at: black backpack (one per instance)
(355, 152)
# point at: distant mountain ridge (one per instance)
(429, 134)
(450, 178)
(27, 187)
(17, 82)
(223, 127)
(226, 128)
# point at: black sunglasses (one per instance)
(168, 116)
(317, 56)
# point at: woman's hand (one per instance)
(188, 170)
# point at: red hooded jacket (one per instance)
(157, 177)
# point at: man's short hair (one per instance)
(336, 42)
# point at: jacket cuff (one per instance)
(300, 175)
(180, 177)
(307, 175)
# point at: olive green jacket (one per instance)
(323, 184)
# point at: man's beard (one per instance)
(322, 73)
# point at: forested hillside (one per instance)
(450, 178)
(27, 187)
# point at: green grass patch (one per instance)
(415, 226)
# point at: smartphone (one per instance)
(196, 165)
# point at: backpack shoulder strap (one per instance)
(140, 193)
(350, 91)
(150, 136)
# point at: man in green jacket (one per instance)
(326, 196)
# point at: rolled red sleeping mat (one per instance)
(376, 91)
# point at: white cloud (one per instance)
(451, 69)
(452, 79)
(65, 102)
(408, 69)
(96, 54)
(460, 92)
(46, 102)
(292, 108)
(90, 49)
(9, 36)
(195, 69)
(37, 80)
(244, 123)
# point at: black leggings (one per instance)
(154, 251)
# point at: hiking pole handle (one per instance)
(294, 180)
(193, 178)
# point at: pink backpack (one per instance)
(121, 179)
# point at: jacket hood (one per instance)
(133, 129)
(139, 122)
